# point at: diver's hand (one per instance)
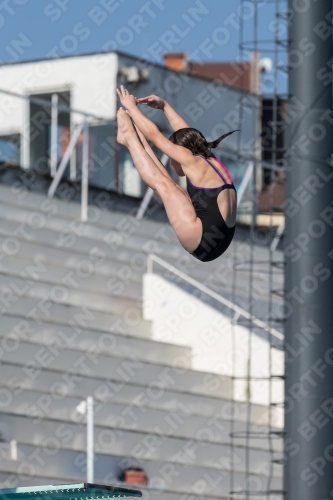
(127, 100)
(153, 101)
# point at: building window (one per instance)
(10, 149)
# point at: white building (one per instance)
(86, 84)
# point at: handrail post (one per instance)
(84, 173)
(72, 161)
(150, 263)
(277, 236)
(90, 439)
(25, 136)
(144, 204)
(54, 135)
(245, 181)
(64, 161)
(149, 194)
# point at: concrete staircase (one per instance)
(71, 327)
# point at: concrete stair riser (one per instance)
(30, 221)
(14, 480)
(130, 261)
(137, 445)
(134, 258)
(98, 216)
(61, 293)
(151, 397)
(174, 477)
(94, 363)
(110, 343)
(120, 418)
(145, 394)
(107, 220)
(79, 318)
(81, 265)
(216, 273)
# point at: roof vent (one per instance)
(133, 75)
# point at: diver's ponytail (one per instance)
(215, 143)
(195, 141)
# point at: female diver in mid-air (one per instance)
(204, 218)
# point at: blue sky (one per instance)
(207, 30)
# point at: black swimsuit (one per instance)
(216, 235)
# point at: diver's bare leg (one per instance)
(178, 206)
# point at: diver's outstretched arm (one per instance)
(148, 149)
(175, 120)
(151, 132)
(174, 164)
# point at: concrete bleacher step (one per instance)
(42, 310)
(116, 345)
(121, 416)
(136, 256)
(12, 478)
(172, 477)
(156, 446)
(62, 293)
(82, 279)
(96, 362)
(115, 237)
(130, 259)
(31, 221)
(127, 228)
(96, 215)
(152, 397)
(110, 220)
(151, 409)
(92, 265)
(124, 246)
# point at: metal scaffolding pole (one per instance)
(61, 169)
(90, 439)
(54, 134)
(86, 407)
(85, 173)
(309, 256)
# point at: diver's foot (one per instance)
(125, 127)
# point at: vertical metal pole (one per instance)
(90, 439)
(13, 449)
(308, 253)
(84, 178)
(145, 202)
(64, 160)
(246, 179)
(149, 193)
(150, 264)
(54, 134)
(25, 136)
(72, 164)
(115, 179)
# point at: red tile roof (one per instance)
(231, 73)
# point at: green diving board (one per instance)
(80, 491)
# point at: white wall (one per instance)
(211, 107)
(180, 318)
(91, 79)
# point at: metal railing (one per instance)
(82, 127)
(151, 258)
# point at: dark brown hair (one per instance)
(195, 141)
